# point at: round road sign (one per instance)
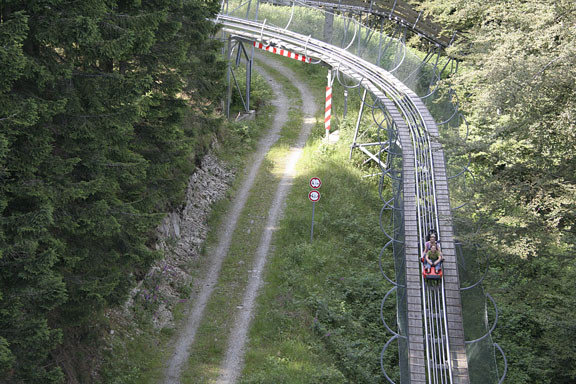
(314, 196)
(315, 183)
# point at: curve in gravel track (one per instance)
(231, 367)
(195, 313)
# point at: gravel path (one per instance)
(231, 367)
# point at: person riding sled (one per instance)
(431, 239)
(433, 258)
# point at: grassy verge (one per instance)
(318, 314)
(211, 341)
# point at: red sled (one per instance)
(432, 275)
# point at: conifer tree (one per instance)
(92, 154)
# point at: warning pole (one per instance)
(328, 109)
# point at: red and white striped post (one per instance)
(328, 109)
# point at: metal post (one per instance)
(345, 102)
(242, 51)
(380, 43)
(248, 80)
(229, 91)
(251, 59)
(358, 123)
(328, 25)
(312, 227)
(359, 50)
(257, 9)
(346, 25)
(248, 9)
(239, 54)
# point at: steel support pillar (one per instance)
(228, 79)
(358, 123)
(230, 76)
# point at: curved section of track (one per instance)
(397, 11)
(436, 349)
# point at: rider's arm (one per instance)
(440, 257)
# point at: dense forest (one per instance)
(105, 106)
(517, 87)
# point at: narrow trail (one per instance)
(231, 367)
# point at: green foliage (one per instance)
(104, 107)
(319, 312)
(517, 90)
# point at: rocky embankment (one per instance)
(180, 236)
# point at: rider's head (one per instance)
(431, 233)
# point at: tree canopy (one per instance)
(93, 151)
(518, 90)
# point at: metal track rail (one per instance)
(412, 120)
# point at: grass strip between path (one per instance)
(212, 339)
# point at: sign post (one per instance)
(314, 196)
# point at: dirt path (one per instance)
(233, 360)
(231, 367)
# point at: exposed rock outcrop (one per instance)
(180, 237)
